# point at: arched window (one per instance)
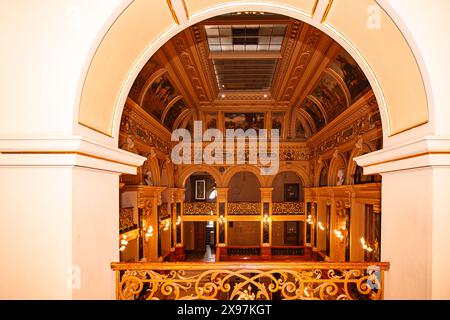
(323, 177)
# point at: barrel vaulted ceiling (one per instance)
(256, 69)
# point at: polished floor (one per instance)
(197, 256)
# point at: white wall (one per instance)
(95, 228)
(36, 233)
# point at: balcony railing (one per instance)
(288, 208)
(250, 281)
(244, 208)
(288, 250)
(243, 250)
(199, 208)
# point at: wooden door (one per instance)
(200, 236)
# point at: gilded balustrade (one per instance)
(250, 281)
(199, 208)
(288, 208)
(244, 208)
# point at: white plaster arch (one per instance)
(281, 8)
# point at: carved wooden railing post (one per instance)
(266, 222)
(147, 199)
(179, 225)
(222, 224)
(172, 209)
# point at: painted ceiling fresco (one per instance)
(173, 113)
(351, 73)
(331, 90)
(331, 96)
(161, 100)
(314, 112)
(183, 70)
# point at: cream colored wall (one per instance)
(36, 233)
(47, 46)
(95, 231)
(406, 237)
(425, 22)
(441, 235)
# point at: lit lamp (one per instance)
(309, 220)
(341, 233)
(266, 218)
(148, 233)
(123, 243)
(222, 220)
(165, 224)
(365, 245)
(178, 220)
(320, 225)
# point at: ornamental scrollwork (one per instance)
(288, 208)
(199, 208)
(287, 283)
(244, 208)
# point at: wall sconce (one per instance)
(123, 243)
(266, 218)
(165, 225)
(148, 233)
(366, 246)
(222, 220)
(309, 220)
(341, 233)
(320, 225)
(178, 220)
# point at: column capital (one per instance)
(424, 152)
(67, 151)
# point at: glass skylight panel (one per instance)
(243, 38)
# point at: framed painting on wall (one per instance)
(200, 192)
(291, 192)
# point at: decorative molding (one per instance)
(199, 208)
(428, 151)
(66, 151)
(244, 208)
(288, 208)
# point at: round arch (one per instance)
(337, 162)
(186, 173)
(318, 171)
(359, 150)
(152, 165)
(299, 171)
(231, 171)
(345, 22)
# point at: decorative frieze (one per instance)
(136, 128)
(244, 208)
(362, 125)
(199, 208)
(288, 208)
